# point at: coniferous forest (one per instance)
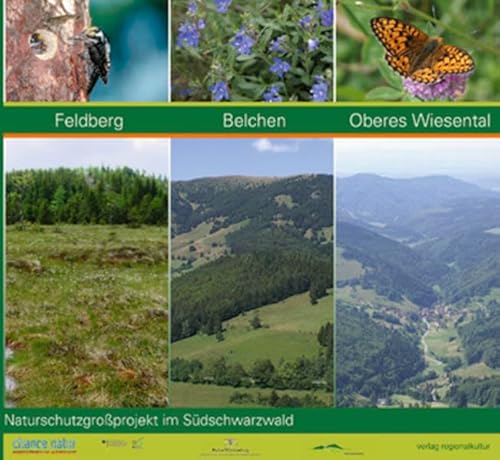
(86, 196)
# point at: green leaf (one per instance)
(384, 93)
(391, 77)
(348, 93)
(362, 24)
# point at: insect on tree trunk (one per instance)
(43, 58)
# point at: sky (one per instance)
(149, 155)
(194, 158)
(460, 158)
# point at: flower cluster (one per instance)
(188, 35)
(272, 94)
(242, 42)
(319, 90)
(451, 87)
(220, 91)
(279, 67)
(222, 5)
(254, 51)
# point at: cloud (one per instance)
(266, 145)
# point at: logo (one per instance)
(114, 443)
(329, 446)
(35, 445)
(230, 447)
(138, 443)
(337, 448)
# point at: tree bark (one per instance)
(43, 60)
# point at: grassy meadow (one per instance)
(86, 315)
(199, 395)
(288, 331)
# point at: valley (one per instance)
(418, 259)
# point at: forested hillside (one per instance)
(481, 338)
(86, 196)
(261, 245)
(223, 289)
(372, 361)
(303, 202)
(395, 270)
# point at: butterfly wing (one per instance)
(396, 36)
(401, 64)
(447, 59)
(451, 59)
(427, 75)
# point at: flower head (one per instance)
(272, 94)
(451, 87)
(305, 21)
(242, 42)
(188, 35)
(326, 17)
(319, 90)
(222, 5)
(276, 45)
(192, 8)
(280, 67)
(220, 91)
(312, 44)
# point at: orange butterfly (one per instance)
(412, 53)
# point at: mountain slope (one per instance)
(391, 268)
(304, 202)
(391, 206)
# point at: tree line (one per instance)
(97, 195)
(301, 374)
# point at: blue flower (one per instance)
(220, 91)
(280, 67)
(276, 46)
(242, 42)
(326, 18)
(192, 8)
(222, 5)
(185, 92)
(272, 94)
(319, 90)
(305, 21)
(201, 24)
(188, 35)
(312, 44)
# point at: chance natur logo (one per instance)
(37, 445)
